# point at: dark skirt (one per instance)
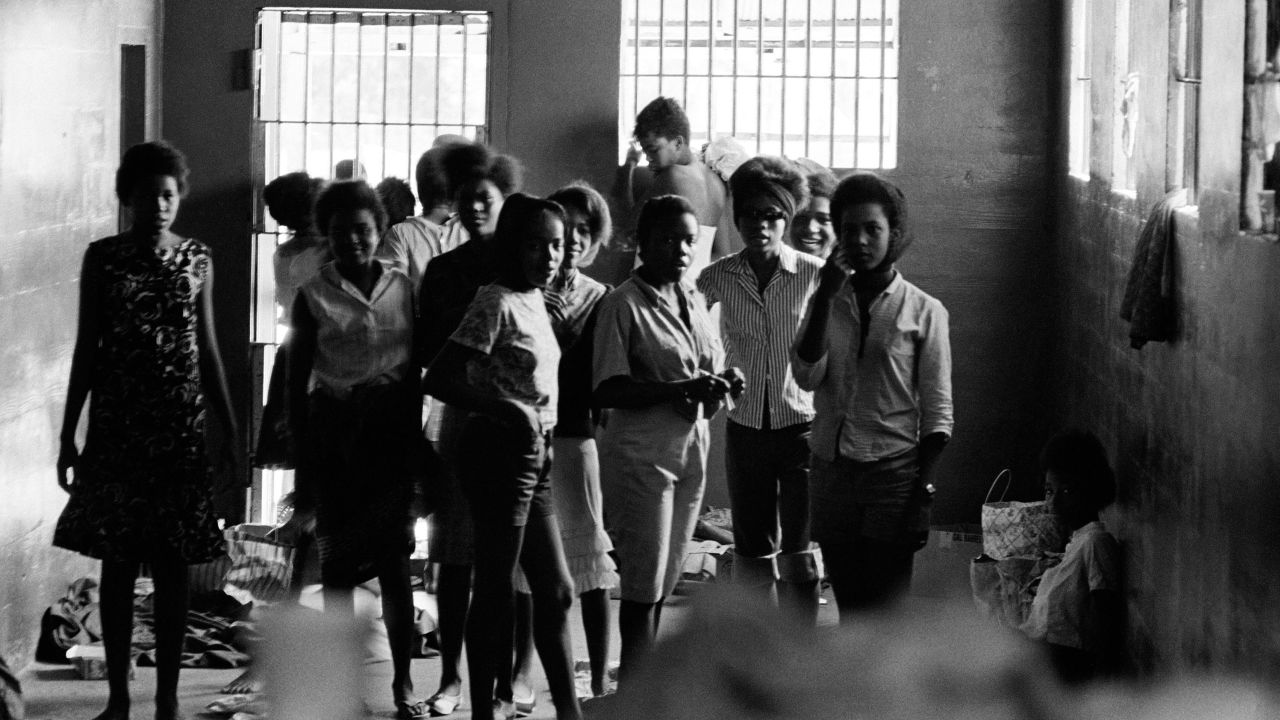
(362, 456)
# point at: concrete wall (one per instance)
(1191, 424)
(977, 130)
(59, 147)
(552, 105)
(977, 109)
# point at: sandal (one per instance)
(416, 710)
(442, 703)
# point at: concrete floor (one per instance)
(52, 692)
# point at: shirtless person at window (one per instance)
(662, 135)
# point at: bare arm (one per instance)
(212, 370)
(83, 360)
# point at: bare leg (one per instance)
(489, 626)
(453, 596)
(171, 601)
(521, 685)
(544, 564)
(116, 602)
(595, 623)
(397, 615)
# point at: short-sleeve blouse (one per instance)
(640, 336)
(519, 356)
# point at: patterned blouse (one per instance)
(519, 357)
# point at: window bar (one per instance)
(462, 109)
(355, 159)
(759, 72)
(438, 32)
(333, 96)
(684, 57)
(635, 85)
(857, 83)
(386, 58)
(786, 20)
(883, 42)
(808, 67)
(306, 39)
(711, 54)
(831, 128)
(733, 124)
(413, 24)
(279, 93)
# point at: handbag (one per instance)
(1011, 528)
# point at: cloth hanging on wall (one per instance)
(1149, 302)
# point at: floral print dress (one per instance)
(143, 487)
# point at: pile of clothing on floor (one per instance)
(215, 627)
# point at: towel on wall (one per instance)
(1149, 293)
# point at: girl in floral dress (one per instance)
(146, 357)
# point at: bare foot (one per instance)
(247, 682)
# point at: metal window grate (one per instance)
(801, 78)
(1080, 108)
(376, 88)
(1184, 98)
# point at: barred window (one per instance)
(801, 78)
(371, 90)
(1080, 109)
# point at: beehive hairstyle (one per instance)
(773, 177)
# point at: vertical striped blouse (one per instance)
(758, 330)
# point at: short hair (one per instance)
(1079, 455)
(473, 162)
(349, 196)
(822, 184)
(150, 158)
(396, 198)
(663, 117)
(764, 173)
(432, 181)
(656, 208)
(291, 199)
(580, 196)
(518, 213)
(867, 187)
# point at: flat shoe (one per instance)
(525, 706)
(411, 710)
(442, 704)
